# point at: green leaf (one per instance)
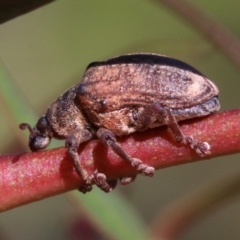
(114, 214)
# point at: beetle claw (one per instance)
(201, 148)
(143, 168)
(127, 180)
(85, 188)
(100, 180)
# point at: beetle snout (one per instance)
(38, 142)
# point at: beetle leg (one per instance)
(101, 181)
(127, 180)
(109, 139)
(72, 143)
(201, 148)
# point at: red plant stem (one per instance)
(29, 177)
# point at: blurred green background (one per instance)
(45, 52)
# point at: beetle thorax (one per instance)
(65, 115)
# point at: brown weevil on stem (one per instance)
(123, 95)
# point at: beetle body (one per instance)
(114, 94)
(122, 95)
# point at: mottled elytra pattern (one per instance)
(122, 95)
(116, 86)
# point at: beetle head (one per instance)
(40, 135)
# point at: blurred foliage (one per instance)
(46, 51)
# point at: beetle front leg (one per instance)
(72, 143)
(109, 139)
(201, 148)
(77, 137)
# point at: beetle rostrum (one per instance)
(123, 95)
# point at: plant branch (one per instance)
(29, 177)
(10, 9)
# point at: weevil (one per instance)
(123, 95)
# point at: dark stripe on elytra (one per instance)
(205, 93)
(150, 59)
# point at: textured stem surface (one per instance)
(29, 177)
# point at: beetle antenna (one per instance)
(24, 126)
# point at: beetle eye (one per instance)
(42, 124)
